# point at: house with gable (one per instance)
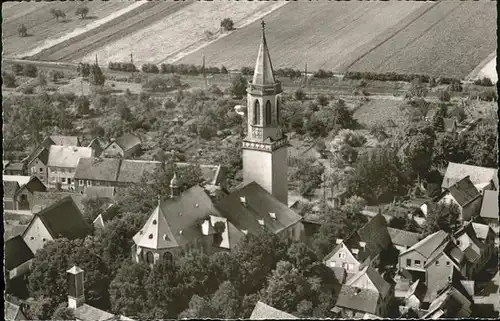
(361, 248)
(36, 163)
(98, 144)
(125, 146)
(14, 309)
(19, 191)
(186, 221)
(10, 189)
(465, 195)
(18, 257)
(14, 168)
(483, 178)
(61, 219)
(452, 302)
(403, 240)
(62, 164)
(477, 242)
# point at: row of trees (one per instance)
(82, 11)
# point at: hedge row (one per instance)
(392, 76)
(122, 66)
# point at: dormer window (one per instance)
(196, 205)
(165, 237)
(180, 232)
(244, 232)
(150, 236)
(261, 222)
(154, 222)
(273, 215)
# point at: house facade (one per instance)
(19, 190)
(62, 164)
(464, 195)
(125, 146)
(37, 164)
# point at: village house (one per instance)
(433, 261)
(18, 258)
(482, 177)
(62, 164)
(489, 209)
(14, 168)
(477, 242)
(408, 294)
(465, 195)
(186, 221)
(451, 303)
(19, 190)
(98, 144)
(61, 219)
(361, 248)
(125, 146)
(108, 192)
(37, 162)
(114, 172)
(262, 311)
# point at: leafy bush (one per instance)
(150, 68)
(352, 138)
(444, 95)
(323, 74)
(30, 71)
(9, 80)
(17, 69)
(122, 66)
(159, 84)
(227, 24)
(484, 82)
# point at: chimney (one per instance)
(363, 245)
(338, 241)
(273, 215)
(243, 200)
(261, 222)
(355, 252)
(76, 287)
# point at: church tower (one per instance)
(265, 147)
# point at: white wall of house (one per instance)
(344, 258)
(37, 235)
(63, 175)
(20, 270)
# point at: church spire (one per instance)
(263, 73)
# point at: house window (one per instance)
(417, 263)
(80, 182)
(89, 183)
(167, 257)
(33, 169)
(41, 170)
(331, 263)
(149, 257)
(256, 113)
(448, 263)
(458, 242)
(345, 266)
(342, 255)
(63, 179)
(350, 267)
(277, 110)
(268, 113)
(63, 170)
(408, 262)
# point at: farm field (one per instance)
(137, 19)
(380, 111)
(448, 40)
(42, 25)
(181, 32)
(331, 33)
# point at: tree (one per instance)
(93, 206)
(418, 90)
(9, 80)
(444, 95)
(309, 175)
(162, 292)
(83, 70)
(127, 293)
(482, 145)
(405, 223)
(322, 100)
(238, 86)
(198, 308)
(286, 287)
(57, 13)
(449, 148)
(97, 78)
(22, 31)
(62, 312)
(30, 71)
(340, 115)
(48, 276)
(300, 94)
(40, 309)
(418, 153)
(227, 24)
(226, 301)
(442, 216)
(82, 12)
(82, 105)
(352, 138)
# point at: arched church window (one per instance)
(268, 113)
(167, 257)
(149, 257)
(256, 113)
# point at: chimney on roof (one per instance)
(243, 200)
(273, 215)
(362, 244)
(76, 287)
(355, 252)
(261, 222)
(338, 241)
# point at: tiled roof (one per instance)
(43, 200)
(35, 185)
(259, 206)
(99, 191)
(41, 152)
(11, 311)
(178, 219)
(358, 299)
(339, 272)
(16, 252)
(489, 208)
(464, 191)
(131, 171)
(63, 219)
(477, 174)
(263, 311)
(128, 141)
(481, 230)
(65, 140)
(87, 312)
(429, 244)
(15, 166)
(403, 238)
(94, 168)
(67, 156)
(380, 284)
(10, 188)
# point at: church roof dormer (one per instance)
(263, 73)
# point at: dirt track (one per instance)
(79, 46)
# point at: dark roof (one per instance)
(262, 311)
(128, 141)
(63, 219)
(87, 312)
(16, 252)
(94, 168)
(403, 238)
(358, 299)
(464, 191)
(382, 286)
(35, 185)
(41, 152)
(339, 272)
(259, 204)
(43, 200)
(177, 218)
(489, 208)
(10, 188)
(18, 166)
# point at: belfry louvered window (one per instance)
(268, 113)
(256, 113)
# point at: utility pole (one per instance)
(203, 71)
(131, 58)
(96, 62)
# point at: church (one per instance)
(189, 220)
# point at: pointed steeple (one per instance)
(263, 73)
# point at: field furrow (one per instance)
(325, 34)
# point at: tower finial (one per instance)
(159, 199)
(263, 24)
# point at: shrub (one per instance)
(122, 66)
(22, 31)
(352, 138)
(30, 71)
(484, 82)
(82, 105)
(246, 71)
(227, 24)
(444, 95)
(17, 69)
(323, 74)
(9, 80)
(150, 68)
(300, 94)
